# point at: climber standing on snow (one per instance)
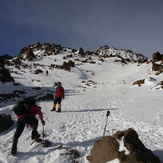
(59, 94)
(47, 72)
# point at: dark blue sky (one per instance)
(136, 25)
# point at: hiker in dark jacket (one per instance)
(27, 118)
(59, 94)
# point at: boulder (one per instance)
(5, 122)
(124, 146)
(139, 82)
(104, 150)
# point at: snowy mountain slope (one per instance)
(91, 90)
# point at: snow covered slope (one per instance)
(91, 90)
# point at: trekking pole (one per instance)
(43, 132)
(45, 143)
(108, 112)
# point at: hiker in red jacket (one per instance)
(47, 72)
(34, 110)
(59, 94)
(27, 118)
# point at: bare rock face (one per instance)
(157, 63)
(133, 151)
(5, 75)
(156, 57)
(158, 68)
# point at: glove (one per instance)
(43, 123)
(63, 97)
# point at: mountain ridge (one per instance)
(53, 49)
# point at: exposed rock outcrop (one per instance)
(5, 75)
(124, 146)
(139, 82)
(157, 63)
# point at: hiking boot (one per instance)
(59, 110)
(38, 140)
(35, 136)
(14, 147)
(53, 109)
(13, 152)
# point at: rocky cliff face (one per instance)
(5, 75)
(157, 63)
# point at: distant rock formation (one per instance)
(157, 57)
(45, 50)
(124, 55)
(124, 146)
(5, 75)
(157, 63)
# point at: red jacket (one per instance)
(59, 92)
(36, 110)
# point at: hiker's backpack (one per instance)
(22, 106)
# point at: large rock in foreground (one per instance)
(5, 122)
(124, 146)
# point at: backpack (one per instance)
(21, 107)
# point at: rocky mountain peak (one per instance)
(125, 54)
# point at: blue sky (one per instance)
(124, 24)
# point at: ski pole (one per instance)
(108, 112)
